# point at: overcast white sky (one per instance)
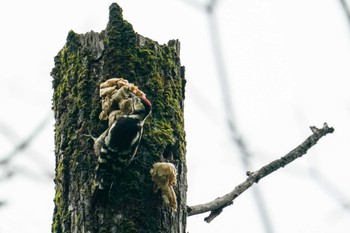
(288, 68)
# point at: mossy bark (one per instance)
(83, 63)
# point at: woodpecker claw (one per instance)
(89, 135)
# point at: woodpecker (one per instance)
(117, 146)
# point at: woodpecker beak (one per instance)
(145, 100)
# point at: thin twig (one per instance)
(218, 204)
(345, 7)
(230, 112)
(26, 142)
(330, 188)
(2, 203)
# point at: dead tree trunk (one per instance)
(83, 63)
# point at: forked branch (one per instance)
(216, 206)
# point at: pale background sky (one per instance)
(288, 68)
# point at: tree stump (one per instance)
(83, 63)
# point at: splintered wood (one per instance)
(116, 98)
(164, 178)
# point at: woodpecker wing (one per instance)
(117, 150)
(123, 137)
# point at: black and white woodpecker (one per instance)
(117, 146)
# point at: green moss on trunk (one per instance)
(82, 64)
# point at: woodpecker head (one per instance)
(140, 106)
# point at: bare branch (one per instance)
(331, 189)
(345, 7)
(2, 203)
(224, 82)
(26, 142)
(218, 204)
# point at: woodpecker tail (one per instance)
(100, 197)
(102, 184)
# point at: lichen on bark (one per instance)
(83, 63)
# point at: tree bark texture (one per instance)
(84, 62)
